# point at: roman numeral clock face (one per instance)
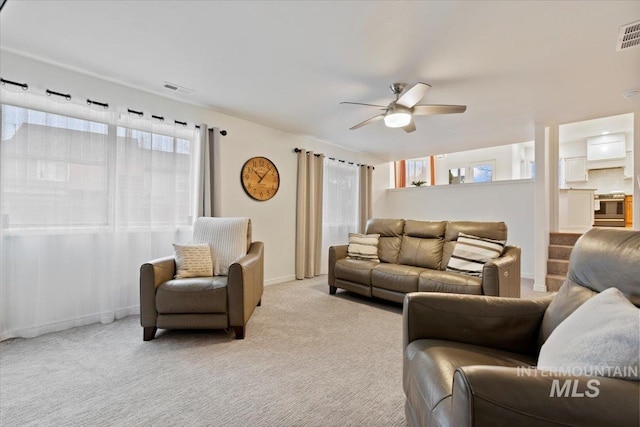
(260, 178)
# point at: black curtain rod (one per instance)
(63, 95)
(222, 132)
(105, 105)
(100, 104)
(297, 150)
(24, 86)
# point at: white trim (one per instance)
(540, 288)
(61, 325)
(278, 280)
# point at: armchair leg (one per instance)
(149, 332)
(260, 302)
(239, 332)
(332, 290)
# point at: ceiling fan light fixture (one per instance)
(397, 120)
(397, 117)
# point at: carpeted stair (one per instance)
(560, 247)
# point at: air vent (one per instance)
(629, 36)
(177, 88)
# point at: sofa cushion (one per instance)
(396, 277)
(585, 343)
(445, 281)
(429, 366)
(472, 252)
(354, 270)
(363, 246)
(421, 252)
(193, 295)
(390, 231)
(424, 229)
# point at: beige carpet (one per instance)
(309, 359)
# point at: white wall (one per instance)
(273, 220)
(508, 201)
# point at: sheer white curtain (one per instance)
(86, 196)
(340, 205)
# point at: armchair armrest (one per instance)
(502, 323)
(153, 273)
(246, 284)
(500, 396)
(335, 253)
(501, 276)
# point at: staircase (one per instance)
(560, 246)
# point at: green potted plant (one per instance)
(418, 183)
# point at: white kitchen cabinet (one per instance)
(575, 169)
(575, 210)
(628, 166)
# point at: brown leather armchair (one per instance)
(468, 359)
(217, 302)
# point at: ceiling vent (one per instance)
(177, 88)
(629, 36)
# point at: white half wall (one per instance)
(509, 201)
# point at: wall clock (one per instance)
(260, 178)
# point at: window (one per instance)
(54, 170)
(417, 170)
(482, 171)
(60, 171)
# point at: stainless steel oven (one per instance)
(609, 210)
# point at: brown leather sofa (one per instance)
(413, 256)
(462, 354)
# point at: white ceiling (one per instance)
(288, 64)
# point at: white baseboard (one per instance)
(61, 325)
(527, 276)
(279, 280)
(540, 288)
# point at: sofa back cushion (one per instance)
(422, 243)
(486, 229)
(607, 257)
(567, 300)
(390, 231)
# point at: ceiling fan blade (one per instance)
(366, 122)
(410, 127)
(360, 103)
(413, 95)
(425, 110)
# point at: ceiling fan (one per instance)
(399, 113)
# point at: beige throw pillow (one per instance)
(363, 247)
(193, 261)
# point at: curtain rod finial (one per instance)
(223, 132)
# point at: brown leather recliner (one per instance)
(464, 355)
(217, 302)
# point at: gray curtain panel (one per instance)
(309, 214)
(207, 139)
(366, 180)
